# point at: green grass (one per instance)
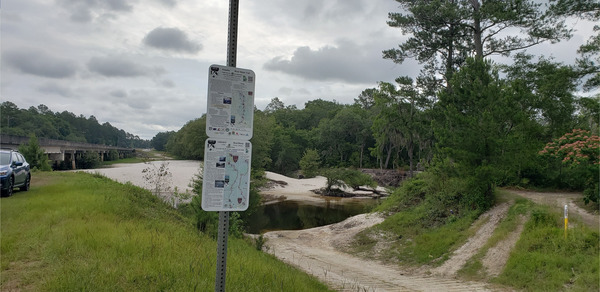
(416, 245)
(78, 232)
(544, 260)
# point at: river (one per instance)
(300, 210)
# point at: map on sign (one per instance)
(230, 103)
(226, 180)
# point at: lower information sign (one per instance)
(226, 179)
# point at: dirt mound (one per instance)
(387, 177)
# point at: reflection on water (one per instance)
(292, 215)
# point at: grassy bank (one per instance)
(75, 231)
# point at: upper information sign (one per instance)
(230, 103)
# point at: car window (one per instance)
(21, 158)
(4, 158)
(15, 158)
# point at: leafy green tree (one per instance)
(88, 160)
(547, 88)
(188, 142)
(310, 163)
(345, 177)
(35, 155)
(262, 140)
(401, 112)
(475, 123)
(112, 155)
(288, 146)
(159, 141)
(335, 178)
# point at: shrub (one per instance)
(88, 160)
(310, 162)
(35, 155)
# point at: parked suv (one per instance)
(14, 172)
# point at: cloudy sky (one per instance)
(142, 65)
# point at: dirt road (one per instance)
(558, 201)
(313, 250)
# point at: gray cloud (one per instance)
(172, 39)
(36, 62)
(118, 93)
(345, 62)
(87, 10)
(168, 83)
(118, 67)
(169, 3)
(55, 89)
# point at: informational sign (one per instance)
(230, 103)
(226, 180)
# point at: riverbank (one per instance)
(283, 188)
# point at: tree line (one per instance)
(44, 123)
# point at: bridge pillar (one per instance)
(73, 156)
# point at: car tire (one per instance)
(25, 187)
(9, 191)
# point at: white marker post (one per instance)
(566, 219)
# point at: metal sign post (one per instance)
(223, 229)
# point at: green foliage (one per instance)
(335, 178)
(309, 164)
(112, 155)
(262, 140)
(400, 122)
(159, 141)
(188, 142)
(355, 179)
(88, 160)
(35, 155)
(345, 177)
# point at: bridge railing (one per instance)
(10, 141)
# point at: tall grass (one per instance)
(83, 232)
(544, 260)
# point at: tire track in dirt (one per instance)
(475, 243)
(313, 251)
(496, 257)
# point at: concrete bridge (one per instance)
(59, 150)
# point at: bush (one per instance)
(35, 155)
(88, 160)
(310, 162)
